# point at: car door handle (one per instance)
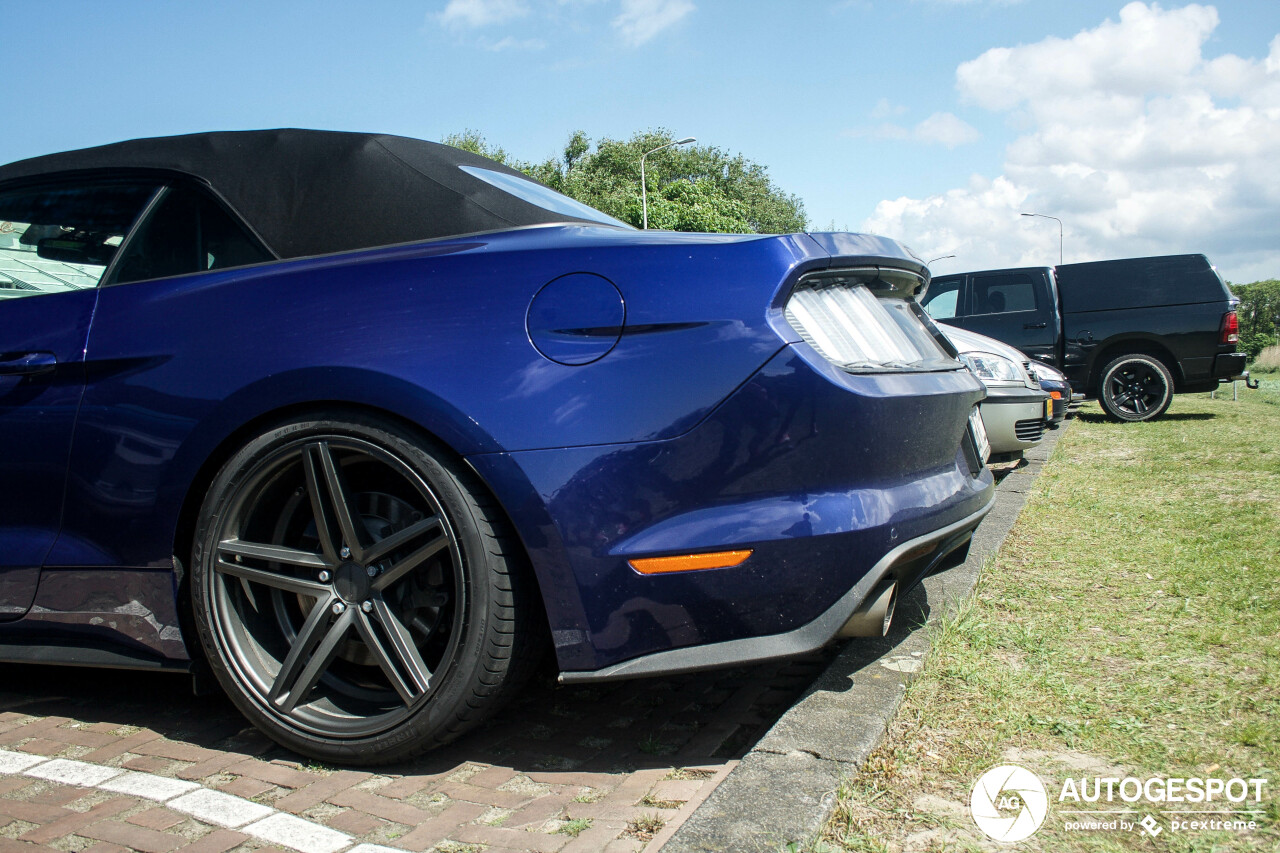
(1035, 325)
(28, 364)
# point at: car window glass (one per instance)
(997, 294)
(187, 232)
(544, 197)
(942, 300)
(60, 238)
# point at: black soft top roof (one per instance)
(310, 192)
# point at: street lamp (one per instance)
(644, 195)
(1057, 220)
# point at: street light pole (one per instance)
(1057, 220)
(644, 195)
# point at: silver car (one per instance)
(1016, 409)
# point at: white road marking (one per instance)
(299, 834)
(203, 804)
(216, 807)
(148, 786)
(70, 772)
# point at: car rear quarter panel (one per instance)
(819, 472)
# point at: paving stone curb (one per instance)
(783, 789)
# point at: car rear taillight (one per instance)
(1230, 328)
(866, 320)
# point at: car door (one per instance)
(56, 242)
(139, 403)
(1012, 306)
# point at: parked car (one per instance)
(1130, 332)
(362, 422)
(1054, 383)
(1016, 409)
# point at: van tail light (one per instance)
(1230, 328)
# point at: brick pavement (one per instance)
(613, 767)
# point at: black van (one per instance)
(1130, 332)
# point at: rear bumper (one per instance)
(1058, 405)
(1229, 366)
(809, 637)
(819, 473)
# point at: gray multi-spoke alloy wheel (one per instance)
(356, 592)
(1135, 387)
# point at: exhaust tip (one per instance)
(875, 614)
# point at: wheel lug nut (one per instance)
(372, 571)
(367, 606)
(345, 552)
(324, 577)
(338, 607)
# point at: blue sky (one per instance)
(1147, 128)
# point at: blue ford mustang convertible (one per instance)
(363, 424)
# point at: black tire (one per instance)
(1135, 387)
(356, 591)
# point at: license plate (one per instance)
(979, 432)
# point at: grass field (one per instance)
(1130, 626)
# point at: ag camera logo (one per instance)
(1009, 803)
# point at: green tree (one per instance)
(474, 141)
(690, 188)
(1259, 313)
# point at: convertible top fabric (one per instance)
(311, 192)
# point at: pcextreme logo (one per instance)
(1009, 803)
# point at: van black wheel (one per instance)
(1135, 387)
(356, 592)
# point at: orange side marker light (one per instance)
(689, 562)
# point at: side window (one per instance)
(63, 237)
(1000, 294)
(187, 232)
(942, 302)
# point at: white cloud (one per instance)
(470, 14)
(1150, 51)
(938, 129)
(510, 43)
(636, 21)
(885, 109)
(1135, 139)
(641, 20)
(946, 129)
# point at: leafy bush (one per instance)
(1259, 313)
(1254, 343)
(690, 188)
